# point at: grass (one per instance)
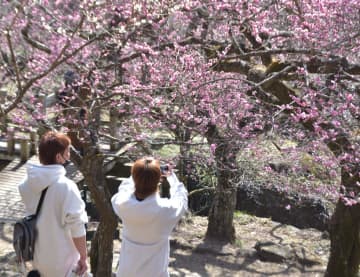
(243, 218)
(238, 243)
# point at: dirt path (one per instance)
(192, 256)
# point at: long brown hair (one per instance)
(146, 174)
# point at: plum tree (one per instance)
(221, 71)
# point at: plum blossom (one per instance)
(213, 148)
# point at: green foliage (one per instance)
(206, 175)
(238, 214)
(168, 151)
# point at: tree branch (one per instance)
(161, 47)
(32, 42)
(274, 51)
(58, 61)
(13, 61)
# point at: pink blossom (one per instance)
(213, 148)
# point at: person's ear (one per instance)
(58, 158)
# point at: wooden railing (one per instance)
(26, 142)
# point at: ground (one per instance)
(191, 255)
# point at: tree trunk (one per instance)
(101, 254)
(345, 242)
(102, 244)
(183, 136)
(344, 258)
(221, 215)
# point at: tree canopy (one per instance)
(211, 72)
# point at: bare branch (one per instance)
(135, 55)
(13, 61)
(275, 51)
(34, 43)
(61, 58)
(275, 76)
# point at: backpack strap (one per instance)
(41, 200)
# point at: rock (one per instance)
(305, 258)
(277, 253)
(272, 252)
(280, 167)
(289, 208)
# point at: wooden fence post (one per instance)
(33, 142)
(3, 126)
(10, 141)
(3, 123)
(24, 149)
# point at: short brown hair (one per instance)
(146, 174)
(51, 144)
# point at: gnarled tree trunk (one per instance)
(101, 253)
(102, 244)
(345, 231)
(183, 136)
(345, 242)
(221, 215)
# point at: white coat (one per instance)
(62, 217)
(147, 225)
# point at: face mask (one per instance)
(66, 163)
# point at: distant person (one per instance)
(60, 246)
(147, 219)
(73, 98)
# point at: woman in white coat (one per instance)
(147, 219)
(60, 246)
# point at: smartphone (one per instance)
(164, 169)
